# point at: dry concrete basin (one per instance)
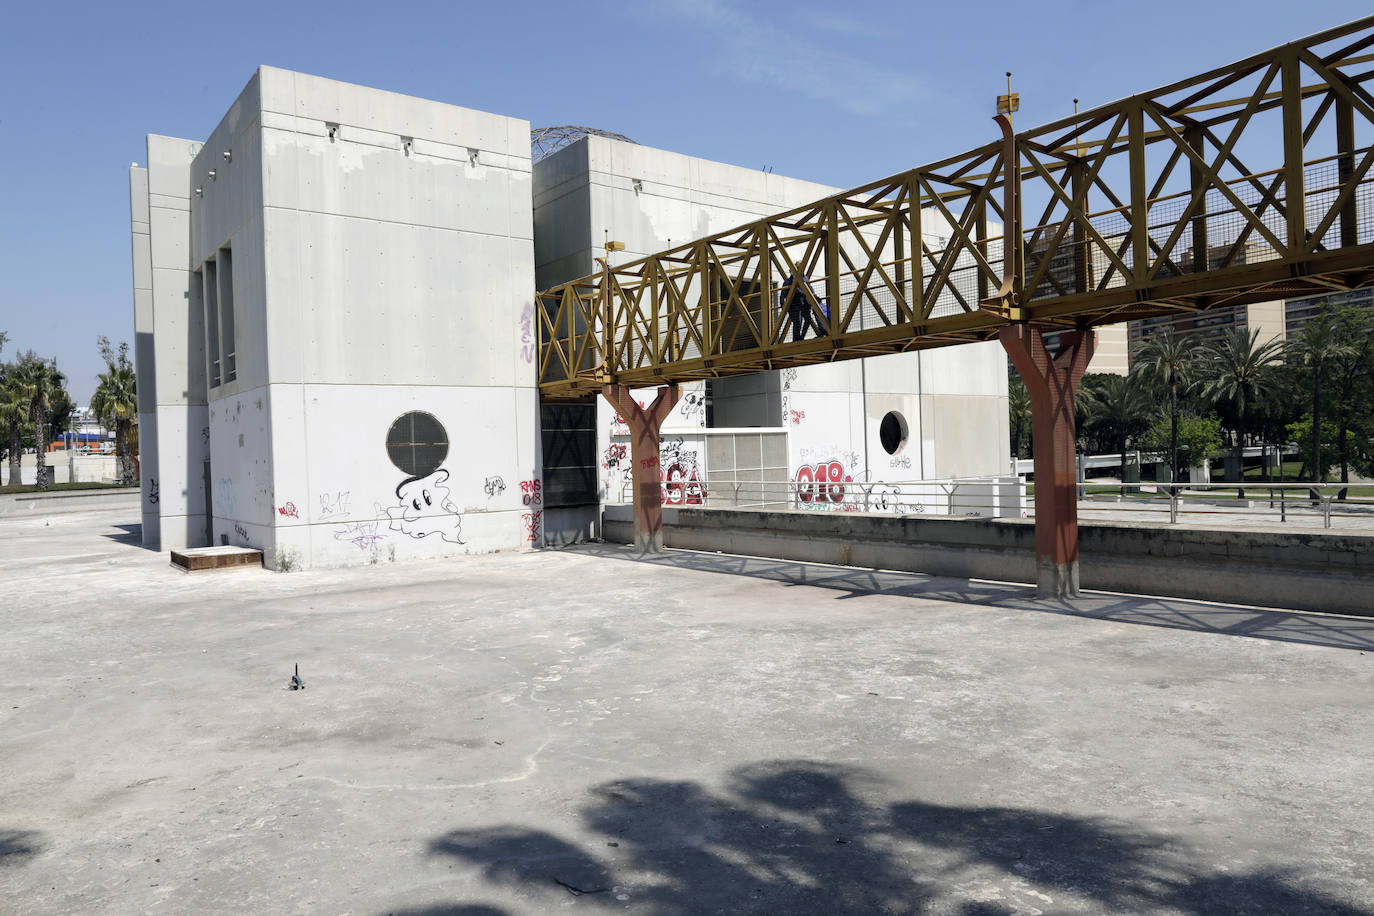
(586, 731)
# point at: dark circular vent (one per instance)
(417, 443)
(892, 432)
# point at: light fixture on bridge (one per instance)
(1006, 104)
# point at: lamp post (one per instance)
(607, 326)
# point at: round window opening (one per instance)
(892, 432)
(417, 443)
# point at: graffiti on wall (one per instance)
(532, 493)
(681, 474)
(534, 524)
(692, 407)
(417, 445)
(822, 484)
(527, 333)
(493, 486)
(153, 495)
(289, 510)
(363, 535)
(789, 376)
(335, 503)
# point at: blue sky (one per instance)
(841, 93)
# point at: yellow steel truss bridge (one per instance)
(1249, 183)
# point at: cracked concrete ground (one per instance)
(582, 731)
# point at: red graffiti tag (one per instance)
(822, 482)
(650, 462)
(289, 510)
(534, 523)
(533, 491)
(797, 416)
(682, 487)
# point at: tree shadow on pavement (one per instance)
(18, 846)
(1314, 629)
(810, 837)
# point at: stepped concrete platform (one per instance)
(591, 731)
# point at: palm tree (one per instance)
(1118, 407)
(1238, 370)
(1171, 360)
(40, 383)
(115, 402)
(1019, 405)
(1317, 345)
(14, 409)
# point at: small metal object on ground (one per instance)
(296, 683)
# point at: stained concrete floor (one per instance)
(582, 731)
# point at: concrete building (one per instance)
(903, 417)
(335, 338)
(330, 297)
(1266, 317)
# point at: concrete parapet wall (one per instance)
(68, 501)
(1300, 570)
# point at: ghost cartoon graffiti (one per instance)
(417, 444)
(425, 508)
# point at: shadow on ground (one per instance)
(18, 846)
(129, 534)
(809, 837)
(1175, 613)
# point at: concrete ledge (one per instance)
(52, 503)
(200, 559)
(1299, 570)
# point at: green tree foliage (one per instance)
(1171, 361)
(115, 402)
(1351, 386)
(1317, 346)
(1199, 438)
(1237, 371)
(14, 412)
(1019, 409)
(1118, 409)
(1301, 433)
(42, 388)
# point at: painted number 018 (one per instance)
(822, 482)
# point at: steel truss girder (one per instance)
(1146, 206)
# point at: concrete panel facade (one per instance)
(169, 334)
(145, 357)
(356, 258)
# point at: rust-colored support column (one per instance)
(644, 424)
(1052, 382)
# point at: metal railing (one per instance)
(979, 496)
(1261, 503)
(1325, 505)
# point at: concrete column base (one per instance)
(649, 541)
(1057, 580)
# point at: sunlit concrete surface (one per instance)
(583, 731)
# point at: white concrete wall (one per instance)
(180, 420)
(384, 270)
(145, 358)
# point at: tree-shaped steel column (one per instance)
(1053, 382)
(644, 424)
